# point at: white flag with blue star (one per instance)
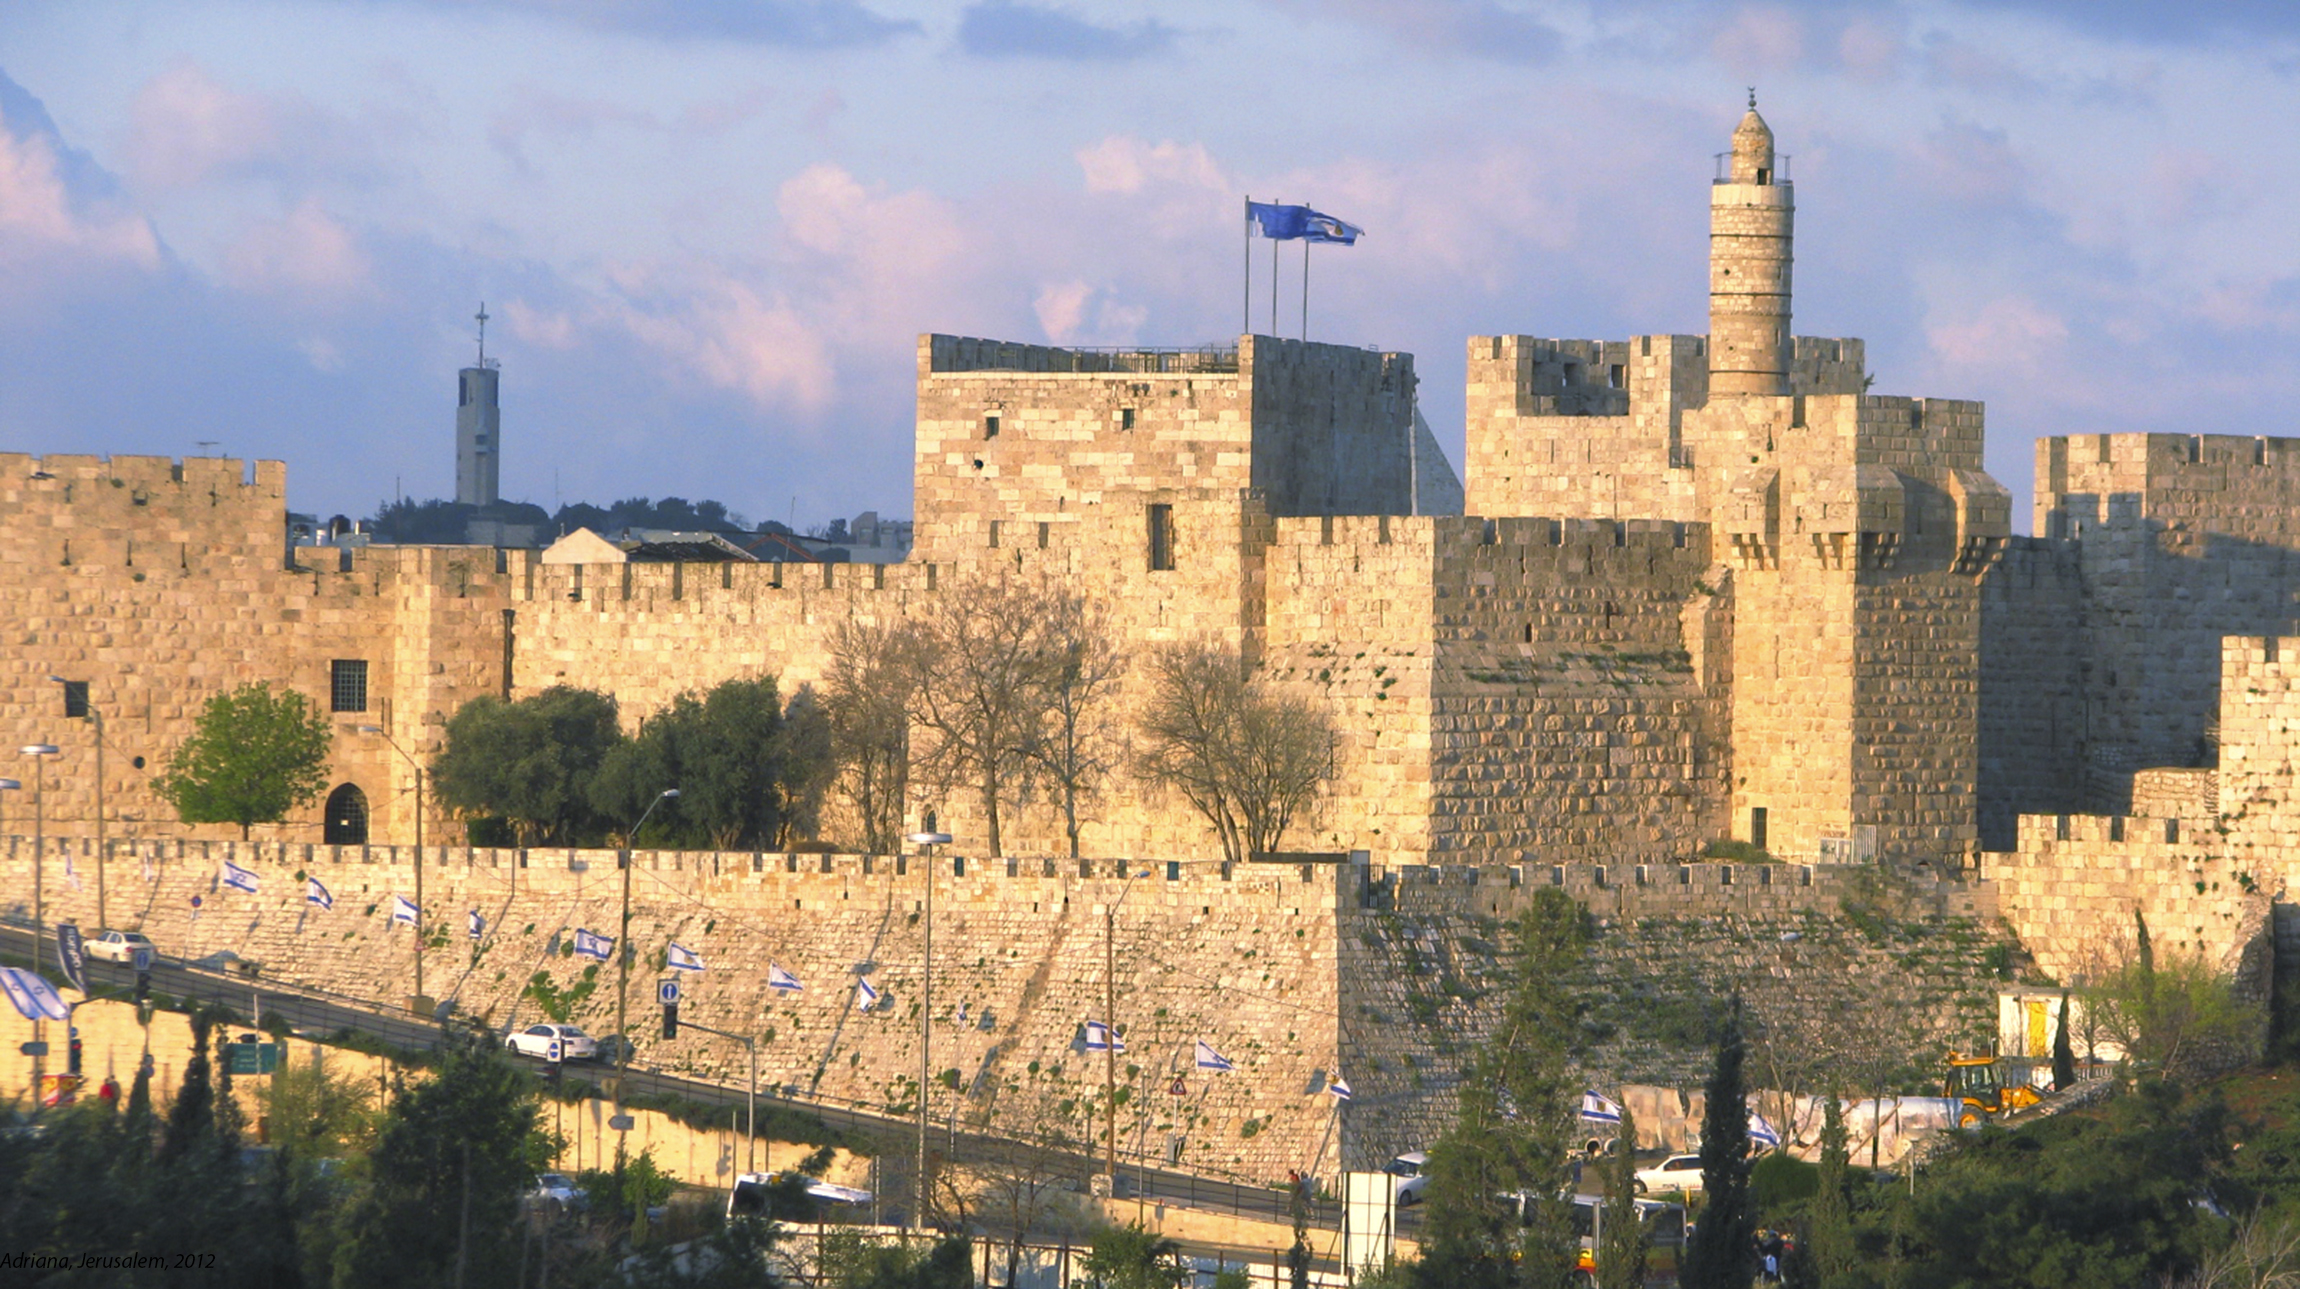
(1100, 1039)
(238, 878)
(682, 958)
(314, 893)
(1209, 1059)
(403, 910)
(865, 996)
(475, 925)
(777, 978)
(1596, 1109)
(1339, 1090)
(591, 944)
(1761, 1132)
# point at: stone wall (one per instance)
(2032, 730)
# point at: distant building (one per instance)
(872, 540)
(645, 546)
(478, 429)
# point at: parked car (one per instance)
(1411, 1170)
(120, 946)
(754, 1196)
(556, 1190)
(1676, 1173)
(536, 1040)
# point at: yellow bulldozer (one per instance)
(1987, 1086)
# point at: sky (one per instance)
(709, 232)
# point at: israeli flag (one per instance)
(777, 978)
(475, 924)
(684, 959)
(865, 997)
(590, 944)
(1338, 1089)
(1100, 1039)
(1763, 1133)
(71, 874)
(1596, 1109)
(33, 996)
(238, 878)
(314, 893)
(1209, 1059)
(403, 910)
(962, 1013)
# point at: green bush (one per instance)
(1779, 1178)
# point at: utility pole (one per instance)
(926, 839)
(416, 766)
(623, 965)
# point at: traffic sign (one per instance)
(33, 1049)
(551, 1052)
(140, 958)
(620, 1123)
(668, 993)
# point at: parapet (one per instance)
(939, 354)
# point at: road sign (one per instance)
(620, 1123)
(254, 1058)
(140, 958)
(551, 1052)
(33, 1049)
(72, 955)
(668, 993)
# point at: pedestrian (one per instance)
(109, 1094)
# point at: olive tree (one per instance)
(256, 754)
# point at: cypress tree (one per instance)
(1621, 1258)
(2063, 1056)
(1832, 1230)
(1722, 1253)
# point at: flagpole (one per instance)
(1246, 276)
(1273, 286)
(1305, 290)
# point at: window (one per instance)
(463, 398)
(994, 534)
(345, 821)
(1757, 822)
(347, 684)
(75, 700)
(1161, 537)
(990, 427)
(1125, 418)
(1616, 375)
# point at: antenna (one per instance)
(483, 333)
(1752, 107)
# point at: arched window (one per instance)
(346, 818)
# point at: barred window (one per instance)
(347, 684)
(1161, 537)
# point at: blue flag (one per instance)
(1290, 223)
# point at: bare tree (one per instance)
(1037, 1130)
(866, 693)
(1247, 759)
(984, 663)
(1080, 741)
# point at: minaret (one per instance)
(1750, 216)
(478, 428)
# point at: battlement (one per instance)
(2245, 486)
(149, 474)
(938, 354)
(1512, 538)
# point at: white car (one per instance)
(749, 1198)
(120, 946)
(536, 1041)
(1413, 1176)
(555, 1189)
(1676, 1173)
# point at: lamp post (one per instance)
(96, 715)
(38, 751)
(926, 839)
(416, 766)
(623, 961)
(1110, 1028)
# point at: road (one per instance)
(318, 1014)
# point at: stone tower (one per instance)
(1751, 212)
(478, 428)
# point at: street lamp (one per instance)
(38, 751)
(926, 839)
(96, 715)
(623, 961)
(1110, 1027)
(416, 766)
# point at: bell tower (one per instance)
(1751, 212)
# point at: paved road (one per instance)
(319, 1014)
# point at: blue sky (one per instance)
(709, 231)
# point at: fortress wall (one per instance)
(1550, 432)
(179, 590)
(1573, 722)
(2032, 701)
(1246, 962)
(2238, 485)
(1792, 714)
(1333, 427)
(2259, 726)
(2071, 889)
(1915, 693)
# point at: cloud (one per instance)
(307, 253)
(1008, 29)
(47, 227)
(1124, 164)
(1489, 29)
(2155, 21)
(185, 128)
(2012, 335)
(797, 24)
